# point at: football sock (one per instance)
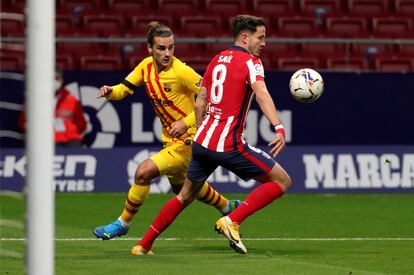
(256, 200)
(165, 217)
(210, 196)
(136, 196)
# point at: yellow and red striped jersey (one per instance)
(172, 93)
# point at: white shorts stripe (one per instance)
(220, 145)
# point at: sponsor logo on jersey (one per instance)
(259, 69)
(161, 102)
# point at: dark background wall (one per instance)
(356, 108)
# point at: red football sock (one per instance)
(165, 217)
(256, 200)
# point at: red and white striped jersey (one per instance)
(227, 79)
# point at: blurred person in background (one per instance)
(69, 121)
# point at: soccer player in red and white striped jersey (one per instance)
(231, 80)
(228, 98)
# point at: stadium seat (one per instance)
(12, 24)
(128, 7)
(133, 60)
(225, 7)
(371, 7)
(280, 49)
(65, 24)
(405, 7)
(323, 50)
(293, 26)
(391, 27)
(330, 6)
(104, 25)
(127, 51)
(79, 49)
(14, 6)
(65, 62)
(83, 5)
(273, 51)
(99, 62)
(178, 7)
(406, 49)
(12, 57)
(201, 26)
(394, 64)
(139, 23)
(195, 49)
(198, 63)
(346, 64)
(211, 49)
(272, 7)
(295, 63)
(11, 62)
(346, 26)
(363, 49)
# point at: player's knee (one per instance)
(285, 182)
(143, 175)
(186, 198)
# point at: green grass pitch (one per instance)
(298, 234)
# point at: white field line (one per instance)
(219, 239)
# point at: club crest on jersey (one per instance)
(166, 88)
(259, 69)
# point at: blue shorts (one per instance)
(248, 163)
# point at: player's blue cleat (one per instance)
(233, 204)
(110, 231)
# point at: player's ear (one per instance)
(244, 37)
(149, 48)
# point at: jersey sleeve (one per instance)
(189, 78)
(136, 77)
(255, 70)
(129, 84)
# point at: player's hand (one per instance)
(104, 91)
(177, 128)
(278, 144)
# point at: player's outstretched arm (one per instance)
(268, 108)
(117, 92)
(104, 91)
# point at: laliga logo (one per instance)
(159, 185)
(99, 113)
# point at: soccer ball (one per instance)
(306, 85)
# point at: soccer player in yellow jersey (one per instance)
(171, 86)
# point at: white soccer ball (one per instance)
(306, 85)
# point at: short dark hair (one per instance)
(155, 29)
(246, 22)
